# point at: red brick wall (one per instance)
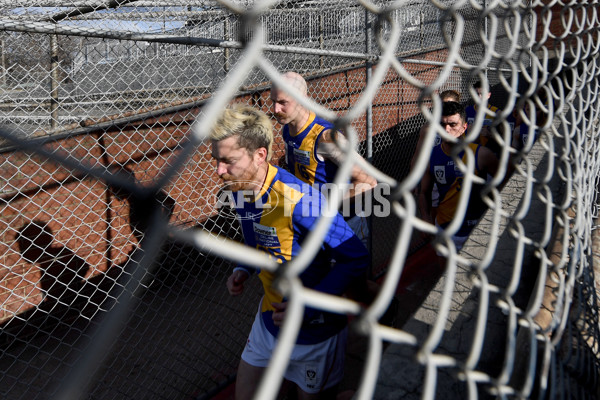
(550, 16)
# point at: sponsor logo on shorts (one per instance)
(311, 376)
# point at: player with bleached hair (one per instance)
(313, 148)
(241, 147)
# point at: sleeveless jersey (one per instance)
(524, 133)
(301, 152)
(277, 221)
(449, 177)
(487, 121)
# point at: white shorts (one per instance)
(313, 367)
(459, 241)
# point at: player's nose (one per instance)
(221, 168)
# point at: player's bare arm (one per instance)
(279, 313)
(426, 187)
(330, 148)
(489, 164)
(487, 161)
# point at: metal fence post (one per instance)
(53, 81)
(321, 40)
(368, 71)
(226, 50)
(369, 126)
(3, 62)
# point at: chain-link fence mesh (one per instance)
(104, 108)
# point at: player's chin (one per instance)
(282, 119)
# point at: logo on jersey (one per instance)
(440, 174)
(302, 156)
(266, 236)
(457, 170)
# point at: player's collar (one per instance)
(269, 177)
(309, 120)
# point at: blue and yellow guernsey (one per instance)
(487, 121)
(448, 177)
(277, 221)
(524, 131)
(472, 113)
(301, 152)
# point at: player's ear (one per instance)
(260, 155)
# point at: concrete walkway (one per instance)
(402, 373)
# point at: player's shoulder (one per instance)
(437, 151)
(475, 145)
(326, 124)
(285, 131)
(482, 152)
(288, 186)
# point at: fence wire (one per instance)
(115, 252)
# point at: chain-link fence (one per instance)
(104, 105)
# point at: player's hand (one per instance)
(279, 313)
(235, 282)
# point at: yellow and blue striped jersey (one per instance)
(525, 132)
(277, 221)
(301, 152)
(448, 177)
(471, 112)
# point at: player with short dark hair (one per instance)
(446, 95)
(443, 170)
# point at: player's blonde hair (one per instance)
(252, 126)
